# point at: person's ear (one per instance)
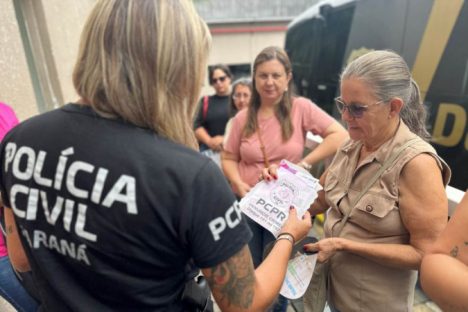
(289, 77)
(396, 105)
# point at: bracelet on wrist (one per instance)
(287, 236)
(305, 165)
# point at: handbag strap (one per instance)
(205, 107)
(386, 164)
(266, 163)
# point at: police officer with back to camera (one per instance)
(107, 199)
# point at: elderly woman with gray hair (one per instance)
(384, 190)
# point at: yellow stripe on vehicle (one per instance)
(440, 25)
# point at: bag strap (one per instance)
(205, 107)
(266, 163)
(386, 164)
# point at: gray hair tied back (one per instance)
(387, 74)
(414, 112)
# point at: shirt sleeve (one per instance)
(233, 141)
(217, 229)
(315, 119)
(3, 192)
(8, 119)
(198, 122)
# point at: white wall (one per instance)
(65, 20)
(240, 48)
(57, 32)
(16, 88)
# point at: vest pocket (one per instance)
(333, 193)
(330, 181)
(375, 206)
(380, 216)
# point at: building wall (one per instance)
(16, 88)
(53, 28)
(243, 47)
(234, 48)
(65, 20)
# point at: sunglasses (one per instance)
(356, 111)
(220, 79)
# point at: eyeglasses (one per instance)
(220, 79)
(238, 96)
(356, 111)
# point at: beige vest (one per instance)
(359, 284)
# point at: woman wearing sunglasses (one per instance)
(213, 112)
(377, 231)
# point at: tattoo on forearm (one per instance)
(9, 229)
(466, 244)
(235, 280)
(454, 252)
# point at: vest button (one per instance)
(369, 208)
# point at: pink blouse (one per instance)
(305, 115)
(7, 121)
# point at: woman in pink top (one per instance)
(10, 288)
(274, 127)
(7, 121)
(280, 120)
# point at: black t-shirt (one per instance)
(216, 117)
(111, 214)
